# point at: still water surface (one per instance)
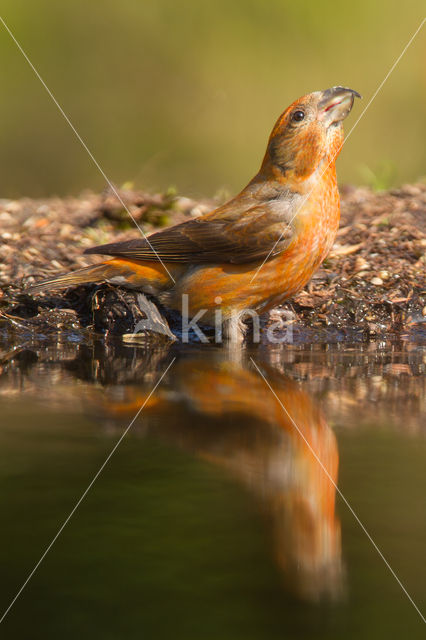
(214, 517)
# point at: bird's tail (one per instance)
(93, 274)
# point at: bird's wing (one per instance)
(225, 235)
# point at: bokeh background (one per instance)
(185, 93)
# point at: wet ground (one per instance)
(218, 515)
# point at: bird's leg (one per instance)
(233, 330)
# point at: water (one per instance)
(217, 515)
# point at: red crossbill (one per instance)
(262, 246)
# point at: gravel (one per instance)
(372, 284)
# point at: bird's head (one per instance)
(309, 132)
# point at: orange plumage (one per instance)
(259, 248)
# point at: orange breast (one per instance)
(238, 287)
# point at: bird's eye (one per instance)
(298, 115)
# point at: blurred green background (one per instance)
(185, 93)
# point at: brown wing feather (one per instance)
(224, 236)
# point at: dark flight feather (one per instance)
(236, 237)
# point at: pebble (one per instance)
(66, 230)
(384, 275)
(361, 264)
(13, 206)
(376, 281)
(199, 210)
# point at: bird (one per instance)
(259, 248)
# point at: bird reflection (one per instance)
(222, 411)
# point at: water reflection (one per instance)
(218, 408)
(213, 501)
(228, 416)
